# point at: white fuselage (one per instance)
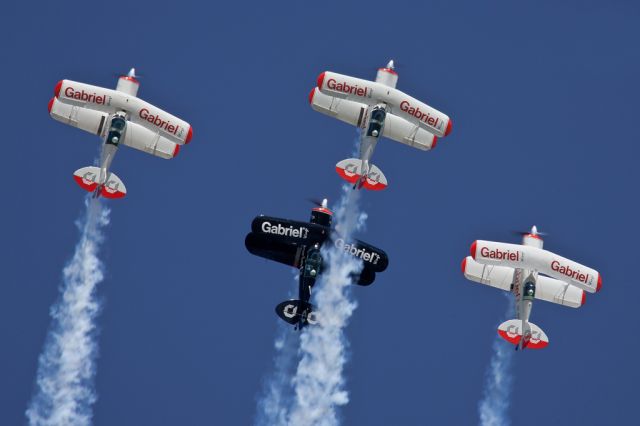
(524, 281)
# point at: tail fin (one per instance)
(297, 312)
(351, 171)
(89, 179)
(512, 331)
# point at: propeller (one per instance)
(318, 203)
(131, 73)
(533, 231)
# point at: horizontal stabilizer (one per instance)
(297, 312)
(114, 187)
(89, 179)
(512, 331)
(351, 171)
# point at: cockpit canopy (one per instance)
(116, 130)
(313, 263)
(376, 122)
(529, 290)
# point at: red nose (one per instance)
(189, 135)
(473, 249)
(320, 80)
(449, 127)
(599, 286)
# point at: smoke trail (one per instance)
(66, 368)
(316, 389)
(494, 406)
(319, 380)
(278, 392)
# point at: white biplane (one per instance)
(119, 117)
(378, 109)
(518, 269)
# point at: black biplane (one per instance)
(298, 244)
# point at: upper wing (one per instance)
(107, 101)
(401, 104)
(373, 258)
(274, 248)
(293, 231)
(528, 257)
(547, 289)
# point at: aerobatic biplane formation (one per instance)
(378, 110)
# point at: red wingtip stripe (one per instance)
(56, 91)
(584, 298)
(311, 95)
(449, 127)
(599, 285)
(50, 105)
(176, 150)
(473, 249)
(435, 142)
(189, 135)
(464, 265)
(321, 80)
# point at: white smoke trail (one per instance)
(319, 380)
(66, 368)
(494, 406)
(309, 393)
(277, 396)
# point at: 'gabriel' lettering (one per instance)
(353, 250)
(513, 256)
(70, 92)
(567, 271)
(436, 123)
(159, 122)
(346, 88)
(290, 231)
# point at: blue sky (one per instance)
(543, 99)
